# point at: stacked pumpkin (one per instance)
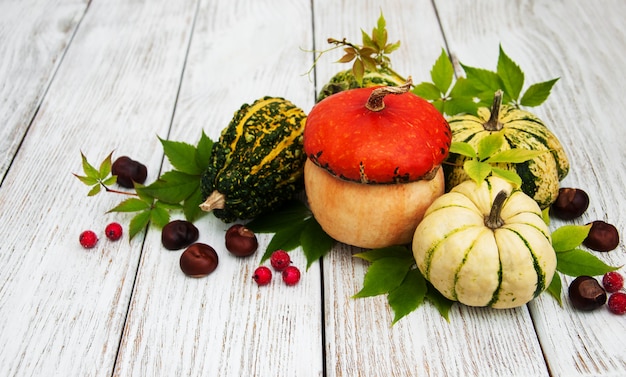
(373, 167)
(373, 179)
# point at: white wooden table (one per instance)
(97, 76)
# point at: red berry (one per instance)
(262, 275)
(280, 260)
(613, 281)
(113, 231)
(88, 239)
(617, 303)
(291, 275)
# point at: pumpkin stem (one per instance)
(375, 101)
(494, 221)
(493, 124)
(215, 201)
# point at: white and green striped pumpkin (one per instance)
(485, 245)
(541, 175)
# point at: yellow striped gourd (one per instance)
(258, 162)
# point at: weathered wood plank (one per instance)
(64, 307)
(578, 42)
(33, 36)
(224, 325)
(360, 340)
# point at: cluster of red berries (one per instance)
(281, 262)
(613, 283)
(88, 238)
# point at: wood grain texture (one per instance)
(360, 339)
(33, 35)
(225, 325)
(64, 307)
(135, 70)
(565, 39)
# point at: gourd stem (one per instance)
(494, 221)
(216, 200)
(375, 101)
(493, 124)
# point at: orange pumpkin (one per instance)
(373, 164)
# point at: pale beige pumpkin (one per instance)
(479, 254)
(370, 216)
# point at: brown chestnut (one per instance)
(241, 241)
(198, 260)
(585, 293)
(178, 234)
(602, 236)
(570, 203)
(128, 171)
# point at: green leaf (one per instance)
(511, 75)
(408, 296)
(477, 170)
(285, 239)
(384, 275)
(131, 205)
(89, 170)
(172, 187)
(514, 156)
(191, 206)
(293, 211)
(555, 287)
(110, 180)
(89, 181)
(138, 223)
(203, 152)
(367, 40)
(159, 216)
(385, 252)
(536, 94)
(508, 175)
(314, 241)
(427, 90)
(463, 88)
(182, 156)
(483, 80)
(379, 34)
(440, 105)
(442, 72)
(440, 302)
(463, 148)
(458, 105)
(105, 167)
(391, 47)
(569, 237)
(145, 196)
(579, 262)
(168, 206)
(545, 214)
(369, 62)
(358, 70)
(489, 145)
(94, 190)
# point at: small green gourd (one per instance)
(345, 80)
(258, 162)
(540, 176)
